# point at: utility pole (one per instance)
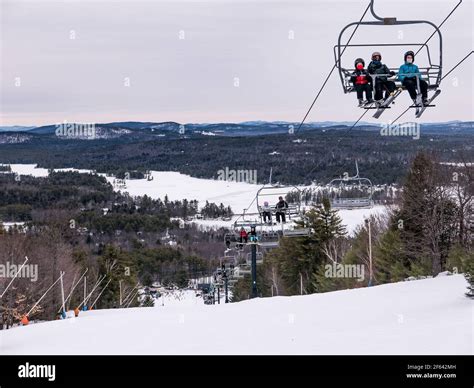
(254, 270)
(370, 251)
(226, 289)
(301, 283)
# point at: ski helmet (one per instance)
(409, 53)
(374, 54)
(359, 60)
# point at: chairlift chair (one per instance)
(274, 191)
(259, 258)
(341, 186)
(431, 72)
(244, 269)
(299, 232)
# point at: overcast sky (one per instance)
(209, 61)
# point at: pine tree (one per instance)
(470, 279)
(147, 301)
(118, 266)
(326, 222)
(427, 215)
(300, 258)
(390, 263)
(469, 275)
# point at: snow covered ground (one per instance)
(238, 195)
(430, 316)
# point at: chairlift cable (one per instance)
(434, 32)
(429, 38)
(332, 70)
(254, 198)
(461, 61)
(357, 122)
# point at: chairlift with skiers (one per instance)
(422, 79)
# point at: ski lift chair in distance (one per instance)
(272, 192)
(431, 72)
(299, 232)
(269, 239)
(345, 188)
(259, 258)
(294, 211)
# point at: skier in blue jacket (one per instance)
(408, 73)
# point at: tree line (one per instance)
(76, 222)
(430, 229)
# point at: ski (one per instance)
(419, 111)
(386, 103)
(368, 105)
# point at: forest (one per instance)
(75, 222)
(316, 155)
(428, 231)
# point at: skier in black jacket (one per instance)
(382, 72)
(281, 208)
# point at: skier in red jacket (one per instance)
(362, 82)
(243, 236)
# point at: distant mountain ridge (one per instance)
(143, 130)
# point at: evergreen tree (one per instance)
(297, 260)
(462, 260)
(469, 275)
(118, 266)
(325, 222)
(427, 215)
(148, 301)
(390, 263)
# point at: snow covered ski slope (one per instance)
(430, 316)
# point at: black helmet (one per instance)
(409, 53)
(374, 54)
(359, 60)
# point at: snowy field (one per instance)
(430, 316)
(238, 195)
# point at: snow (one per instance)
(177, 186)
(28, 169)
(208, 133)
(430, 316)
(9, 225)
